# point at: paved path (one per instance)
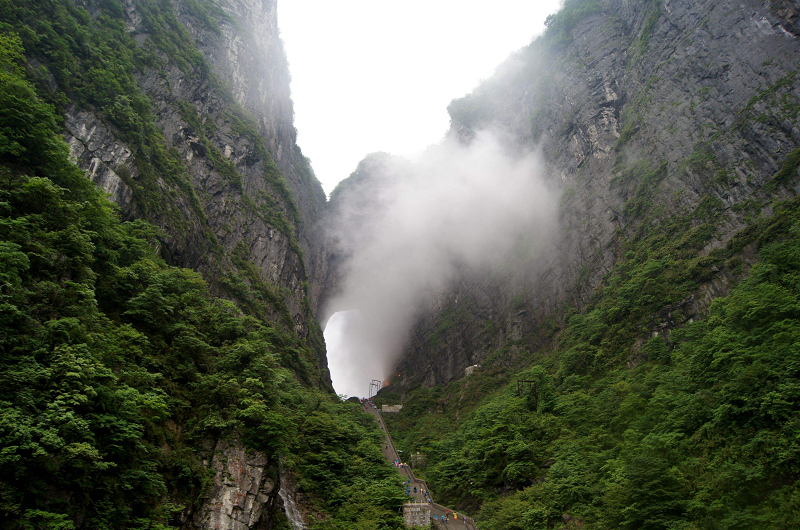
(391, 455)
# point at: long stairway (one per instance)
(391, 454)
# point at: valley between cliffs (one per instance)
(607, 338)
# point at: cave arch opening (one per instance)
(342, 356)
(358, 351)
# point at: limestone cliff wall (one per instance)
(236, 199)
(252, 62)
(704, 93)
(239, 201)
(706, 89)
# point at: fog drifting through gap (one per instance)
(476, 208)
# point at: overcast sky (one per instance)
(377, 75)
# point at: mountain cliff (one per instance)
(216, 165)
(645, 113)
(162, 365)
(630, 380)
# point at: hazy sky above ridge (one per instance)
(377, 75)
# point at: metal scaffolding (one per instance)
(374, 386)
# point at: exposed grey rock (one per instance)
(253, 65)
(244, 491)
(654, 82)
(94, 147)
(700, 87)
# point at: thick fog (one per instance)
(407, 227)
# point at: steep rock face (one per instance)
(643, 111)
(95, 148)
(245, 490)
(233, 195)
(245, 193)
(254, 67)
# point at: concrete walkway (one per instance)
(438, 510)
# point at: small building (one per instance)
(417, 514)
(469, 369)
(391, 409)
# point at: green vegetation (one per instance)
(446, 320)
(644, 181)
(632, 114)
(92, 61)
(207, 13)
(118, 373)
(470, 111)
(779, 103)
(626, 428)
(789, 170)
(89, 59)
(639, 46)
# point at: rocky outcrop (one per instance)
(242, 491)
(94, 147)
(249, 492)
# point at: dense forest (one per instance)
(119, 372)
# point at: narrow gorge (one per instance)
(585, 296)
